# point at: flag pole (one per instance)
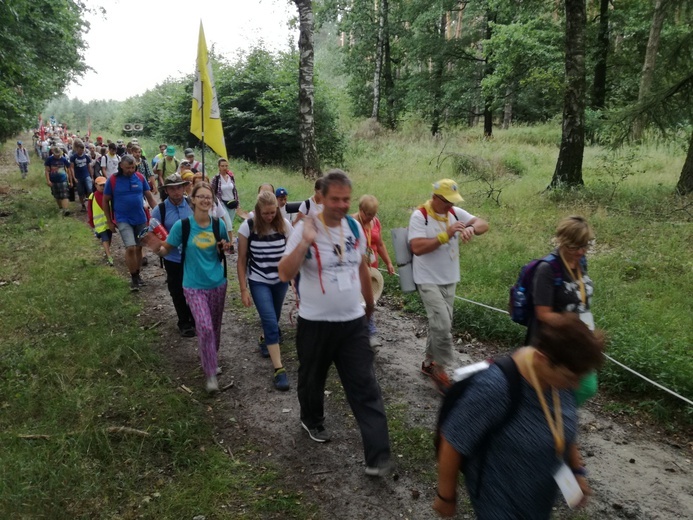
(202, 98)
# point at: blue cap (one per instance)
(19, 142)
(281, 192)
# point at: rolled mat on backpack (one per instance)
(400, 243)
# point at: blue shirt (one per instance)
(81, 163)
(173, 214)
(127, 196)
(202, 269)
(58, 168)
(521, 458)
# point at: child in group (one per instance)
(97, 219)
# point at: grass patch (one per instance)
(75, 363)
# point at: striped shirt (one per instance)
(264, 253)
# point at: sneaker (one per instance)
(212, 385)
(281, 381)
(134, 286)
(66, 213)
(375, 342)
(140, 282)
(382, 469)
(109, 261)
(187, 332)
(318, 434)
(218, 370)
(263, 347)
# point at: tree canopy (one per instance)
(41, 45)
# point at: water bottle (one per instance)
(519, 304)
(158, 229)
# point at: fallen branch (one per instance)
(111, 429)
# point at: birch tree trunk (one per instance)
(306, 90)
(378, 62)
(648, 67)
(568, 170)
(388, 78)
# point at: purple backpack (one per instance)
(521, 304)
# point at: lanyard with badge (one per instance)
(564, 477)
(343, 276)
(585, 316)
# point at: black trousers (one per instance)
(347, 345)
(174, 274)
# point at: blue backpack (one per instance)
(521, 304)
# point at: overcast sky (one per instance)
(142, 42)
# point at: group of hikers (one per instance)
(512, 422)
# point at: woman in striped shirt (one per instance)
(261, 244)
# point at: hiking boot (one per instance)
(263, 347)
(134, 286)
(382, 469)
(212, 385)
(438, 376)
(442, 381)
(318, 434)
(281, 380)
(428, 370)
(140, 282)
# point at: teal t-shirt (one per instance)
(202, 269)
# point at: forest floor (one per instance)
(636, 469)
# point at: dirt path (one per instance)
(635, 471)
(635, 474)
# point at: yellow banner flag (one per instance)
(205, 123)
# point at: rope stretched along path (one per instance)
(662, 387)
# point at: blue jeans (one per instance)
(268, 302)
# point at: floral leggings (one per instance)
(207, 307)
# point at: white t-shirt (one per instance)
(226, 187)
(314, 209)
(286, 216)
(109, 164)
(441, 266)
(341, 300)
(219, 211)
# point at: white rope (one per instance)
(648, 380)
(684, 399)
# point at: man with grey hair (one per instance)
(122, 201)
(329, 251)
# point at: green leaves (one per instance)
(41, 53)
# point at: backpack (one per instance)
(112, 182)
(424, 212)
(521, 302)
(216, 229)
(509, 369)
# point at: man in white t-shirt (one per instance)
(435, 232)
(110, 161)
(312, 206)
(329, 250)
